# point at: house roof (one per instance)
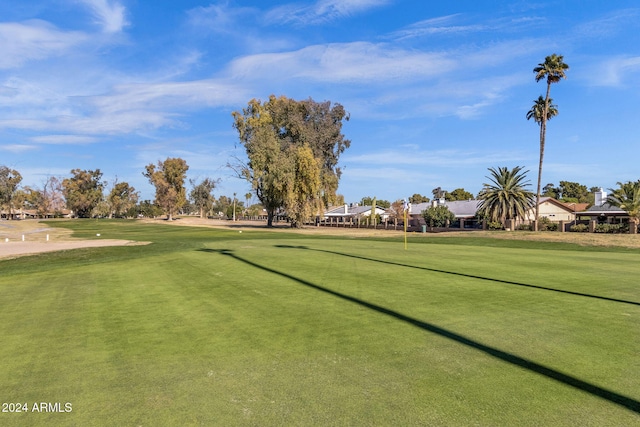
(460, 208)
(551, 200)
(577, 207)
(605, 209)
(468, 208)
(345, 210)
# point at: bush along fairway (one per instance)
(209, 326)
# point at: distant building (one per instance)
(351, 213)
(604, 212)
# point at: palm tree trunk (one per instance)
(542, 138)
(543, 134)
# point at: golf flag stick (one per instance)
(405, 230)
(405, 208)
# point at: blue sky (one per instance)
(437, 91)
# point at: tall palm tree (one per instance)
(506, 196)
(553, 69)
(627, 198)
(537, 110)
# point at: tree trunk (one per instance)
(270, 215)
(543, 134)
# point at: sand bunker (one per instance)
(15, 249)
(28, 237)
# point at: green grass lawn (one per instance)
(213, 327)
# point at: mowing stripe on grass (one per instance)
(569, 380)
(471, 276)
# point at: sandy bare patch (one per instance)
(28, 237)
(16, 249)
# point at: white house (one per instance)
(351, 213)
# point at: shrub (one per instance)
(437, 216)
(579, 228)
(546, 225)
(495, 225)
(525, 227)
(612, 228)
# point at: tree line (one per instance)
(87, 195)
(505, 196)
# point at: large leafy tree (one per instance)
(148, 209)
(279, 137)
(223, 205)
(458, 194)
(574, 192)
(83, 191)
(371, 201)
(553, 70)
(627, 198)
(302, 199)
(168, 178)
(506, 195)
(418, 198)
(550, 190)
(569, 192)
(201, 194)
(9, 181)
(121, 199)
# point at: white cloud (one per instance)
(63, 139)
(615, 71)
(321, 11)
(110, 15)
(608, 25)
(440, 25)
(33, 40)
(343, 62)
(219, 18)
(128, 108)
(430, 158)
(167, 96)
(17, 148)
(22, 97)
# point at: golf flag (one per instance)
(406, 207)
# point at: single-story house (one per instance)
(349, 214)
(464, 211)
(603, 212)
(553, 209)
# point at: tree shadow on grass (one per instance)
(471, 276)
(611, 396)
